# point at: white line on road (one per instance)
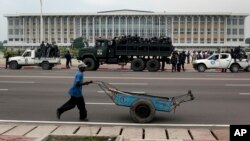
(90, 103)
(18, 82)
(125, 78)
(136, 84)
(244, 93)
(115, 124)
(4, 89)
(130, 92)
(238, 85)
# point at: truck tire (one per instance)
(234, 68)
(97, 65)
(13, 65)
(137, 65)
(45, 66)
(91, 64)
(153, 65)
(142, 111)
(201, 68)
(248, 69)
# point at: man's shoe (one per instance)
(58, 114)
(85, 119)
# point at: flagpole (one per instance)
(41, 21)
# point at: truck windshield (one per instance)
(27, 54)
(213, 57)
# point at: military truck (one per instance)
(142, 54)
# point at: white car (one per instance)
(221, 61)
(29, 59)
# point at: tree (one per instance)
(79, 43)
(1, 45)
(247, 41)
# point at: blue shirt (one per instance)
(76, 91)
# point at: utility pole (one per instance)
(41, 21)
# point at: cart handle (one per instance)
(177, 100)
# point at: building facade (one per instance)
(186, 29)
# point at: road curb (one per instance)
(127, 132)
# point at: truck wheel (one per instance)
(13, 65)
(201, 68)
(19, 67)
(153, 65)
(137, 65)
(91, 64)
(248, 69)
(142, 111)
(234, 68)
(45, 66)
(97, 65)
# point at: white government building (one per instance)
(193, 30)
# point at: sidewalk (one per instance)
(25, 131)
(102, 67)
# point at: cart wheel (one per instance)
(142, 111)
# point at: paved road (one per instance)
(221, 98)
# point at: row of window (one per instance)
(233, 31)
(208, 40)
(182, 40)
(136, 20)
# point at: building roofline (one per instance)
(111, 13)
(125, 10)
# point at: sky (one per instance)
(81, 6)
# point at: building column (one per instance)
(219, 30)
(87, 27)
(152, 34)
(113, 26)
(37, 31)
(146, 32)
(100, 26)
(172, 34)
(225, 31)
(74, 27)
(30, 30)
(159, 34)
(139, 26)
(192, 29)
(80, 26)
(133, 22)
(24, 31)
(205, 32)
(93, 29)
(61, 19)
(49, 30)
(185, 30)
(166, 26)
(68, 31)
(126, 26)
(55, 29)
(119, 26)
(106, 27)
(179, 29)
(212, 30)
(199, 29)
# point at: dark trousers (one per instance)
(71, 103)
(183, 66)
(173, 67)
(6, 63)
(67, 63)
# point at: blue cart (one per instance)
(143, 106)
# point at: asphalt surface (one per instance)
(221, 98)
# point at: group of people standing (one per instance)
(48, 50)
(178, 61)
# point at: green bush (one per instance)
(73, 51)
(13, 52)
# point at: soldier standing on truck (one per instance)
(43, 49)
